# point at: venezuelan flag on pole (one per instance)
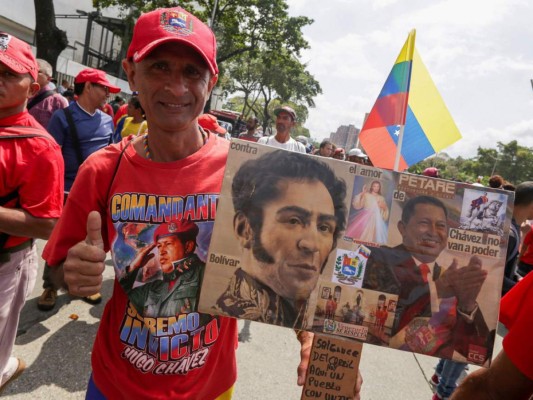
(409, 121)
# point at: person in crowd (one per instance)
(357, 156)
(134, 123)
(80, 129)
(508, 186)
(31, 192)
(285, 123)
(339, 154)
(305, 141)
(510, 375)
(326, 148)
(171, 62)
(46, 101)
(432, 172)
(525, 258)
(496, 181)
(117, 102)
(108, 109)
(121, 112)
(522, 211)
(210, 122)
(251, 134)
(69, 95)
(65, 85)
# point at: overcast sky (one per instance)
(479, 54)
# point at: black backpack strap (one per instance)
(37, 99)
(116, 168)
(13, 132)
(74, 135)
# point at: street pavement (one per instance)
(57, 348)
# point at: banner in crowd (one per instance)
(391, 259)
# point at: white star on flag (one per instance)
(397, 131)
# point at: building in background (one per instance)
(346, 136)
(83, 24)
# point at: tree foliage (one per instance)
(270, 79)
(510, 160)
(240, 26)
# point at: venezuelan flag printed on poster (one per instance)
(408, 102)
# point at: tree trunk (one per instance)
(49, 39)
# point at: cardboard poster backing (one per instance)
(332, 370)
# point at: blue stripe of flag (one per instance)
(416, 145)
(397, 80)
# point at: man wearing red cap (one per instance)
(80, 129)
(31, 192)
(210, 122)
(170, 284)
(285, 122)
(174, 173)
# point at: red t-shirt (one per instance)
(516, 314)
(527, 258)
(122, 110)
(187, 355)
(34, 167)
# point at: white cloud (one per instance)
(475, 51)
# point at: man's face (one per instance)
(357, 160)
(170, 249)
(96, 93)
(251, 124)
(298, 235)
(338, 155)
(43, 79)
(174, 84)
(326, 150)
(426, 233)
(284, 122)
(15, 89)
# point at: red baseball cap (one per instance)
(209, 122)
(17, 55)
(172, 25)
(176, 227)
(431, 172)
(95, 76)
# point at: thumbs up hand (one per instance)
(84, 266)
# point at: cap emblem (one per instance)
(176, 22)
(4, 41)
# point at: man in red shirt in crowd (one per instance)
(31, 192)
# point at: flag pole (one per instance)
(410, 50)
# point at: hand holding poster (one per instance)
(392, 259)
(333, 368)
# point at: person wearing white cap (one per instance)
(357, 156)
